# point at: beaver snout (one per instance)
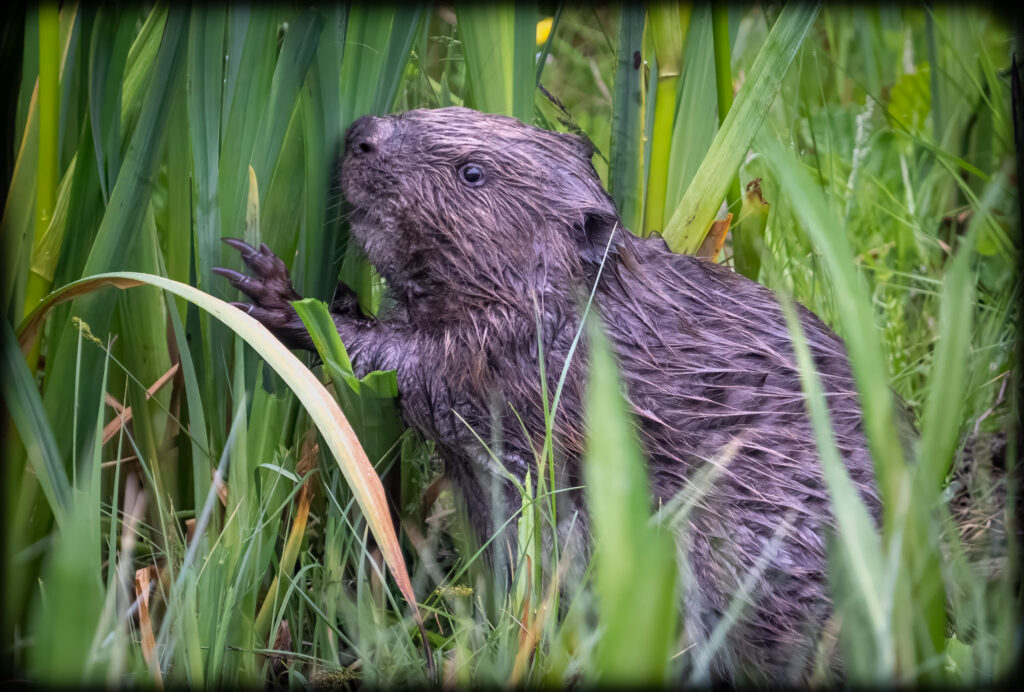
(363, 136)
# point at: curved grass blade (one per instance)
(856, 552)
(322, 409)
(853, 305)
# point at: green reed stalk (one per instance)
(626, 153)
(668, 22)
(47, 174)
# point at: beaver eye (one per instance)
(472, 175)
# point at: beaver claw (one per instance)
(270, 288)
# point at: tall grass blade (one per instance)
(918, 594)
(296, 54)
(139, 69)
(635, 574)
(246, 100)
(107, 60)
(857, 571)
(143, 350)
(47, 174)
(320, 235)
(376, 49)
(69, 607)
(948, 384)
(206, 66)
(199, 445)
(115, 243)
(19, 224)
(174, 216)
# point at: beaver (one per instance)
(488, 231)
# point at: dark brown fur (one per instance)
(704, 352)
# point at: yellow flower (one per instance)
(543, 30)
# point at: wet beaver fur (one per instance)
(480, 223)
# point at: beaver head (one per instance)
(482, 205)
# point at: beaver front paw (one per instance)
(345, 302)
(270, 288)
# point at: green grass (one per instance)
(884, 143)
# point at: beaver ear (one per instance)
(582, 144)
(594, 233)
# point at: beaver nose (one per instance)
(363, 136)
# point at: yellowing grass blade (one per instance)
(692, 218)
(322, 408)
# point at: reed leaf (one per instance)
(116, 237)
(107, 61)
(498, 42)
(369, 402)
(691, 220)
(376, 49)
(857, 322)
(19, 224)
(293, 62)
(47, 174)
